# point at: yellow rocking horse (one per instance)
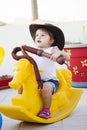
(27, 105)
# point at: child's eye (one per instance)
(36, 35)
(43, 34)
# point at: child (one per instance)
(50, 39)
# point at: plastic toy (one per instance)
(2, 53)
(0, 121)
(27, 105)
(4, 79)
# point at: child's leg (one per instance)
(47, 94)
(47, 98)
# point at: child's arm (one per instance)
(56, 53)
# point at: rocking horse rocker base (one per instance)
(26, 106)
(19, 113)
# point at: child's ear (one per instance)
(52, 40)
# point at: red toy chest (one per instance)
(78, 64)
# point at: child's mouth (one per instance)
(38, 41)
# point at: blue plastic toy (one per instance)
(0, 121)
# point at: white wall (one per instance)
(10, 37)
(17, 35)
(74, 31)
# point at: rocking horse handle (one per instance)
(39, 52)
(25, 55)
(15, 56)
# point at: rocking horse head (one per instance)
(26, 66)
(23, 71)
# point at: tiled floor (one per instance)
(76, 121)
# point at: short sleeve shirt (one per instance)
(47, 66)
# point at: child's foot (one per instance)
(45, 113)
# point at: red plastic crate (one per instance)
(78, 65)
(4, 82)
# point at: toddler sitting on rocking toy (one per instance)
(51, 39)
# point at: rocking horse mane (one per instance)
(25, 55)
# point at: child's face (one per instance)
(43, 39)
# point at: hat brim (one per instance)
(59, 39)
